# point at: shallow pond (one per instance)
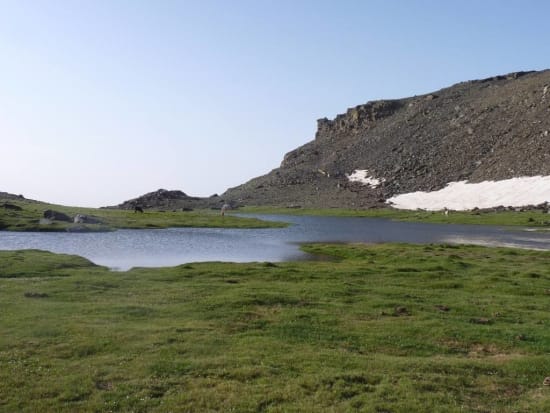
(124, 249)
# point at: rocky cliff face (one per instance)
(491, 129)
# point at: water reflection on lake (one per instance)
(124, 249)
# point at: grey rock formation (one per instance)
(86, 219)
(7, 195)
(56, 216)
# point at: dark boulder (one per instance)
(11, 207)
(56, 215)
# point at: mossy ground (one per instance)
(504, 218)
(380, 328)
(28, 218)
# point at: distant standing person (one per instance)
(225, 207)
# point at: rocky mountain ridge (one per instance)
(490, 129)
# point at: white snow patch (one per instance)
(462, 196)
(362, 176)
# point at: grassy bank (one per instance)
(28, 218)
(383, 328)
(505, 218)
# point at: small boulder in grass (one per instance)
(546, 381)
(401, 311)
(442, 307)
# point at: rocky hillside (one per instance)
(170, 200)
(6, 195)
(491, 129)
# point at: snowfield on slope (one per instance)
(463, 196)
(362, 176)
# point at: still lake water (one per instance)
(124, 249)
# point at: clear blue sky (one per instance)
(101, 101)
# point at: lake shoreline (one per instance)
(127, 248)
(33, 216)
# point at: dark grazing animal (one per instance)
(138, 209)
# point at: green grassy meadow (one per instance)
(375, 328)
(28, 218)
(504, 218)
